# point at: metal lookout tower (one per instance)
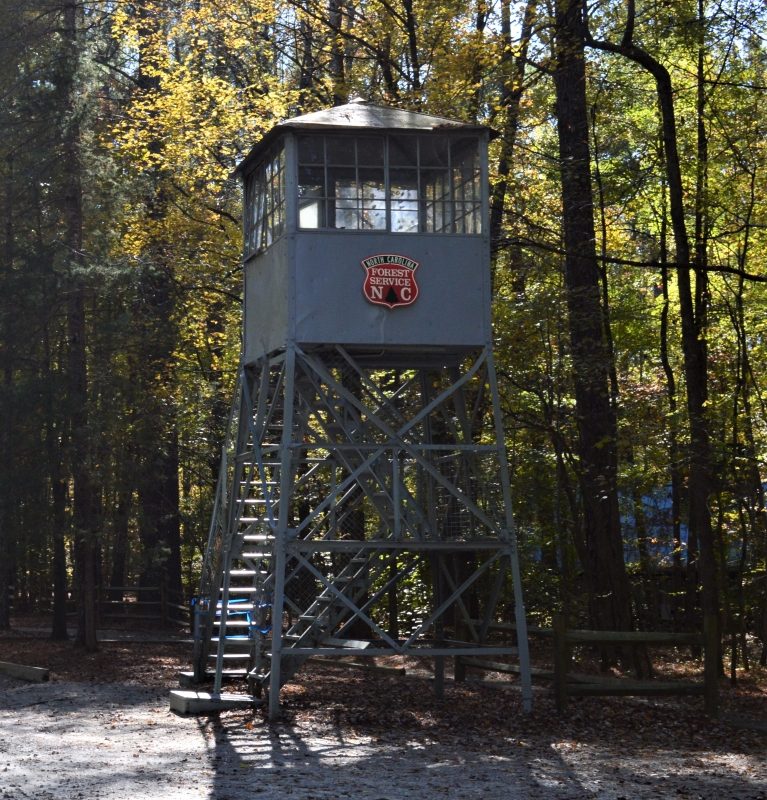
(364, 470)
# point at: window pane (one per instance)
(433, 151)
(468, 218)
(372, 193)
(340, 150)
(467, 185)
(311, 213)
(435, 190)
(404, 218)
(404, 182)
(465, 152)
(370, 151)
(403, 151)
(311, 197)
(311, 176)
(345, 194)
(403, 185)
(311, 150)
(347, 215)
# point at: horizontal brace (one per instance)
(633, 637)
(388, 545)
(424, 651)
(619, 688)
(512, 626)
(394, 445)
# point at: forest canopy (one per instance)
(628, 224)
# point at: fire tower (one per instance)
(364, 470)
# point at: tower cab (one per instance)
(366, 227)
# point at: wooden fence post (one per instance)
(711, 664)
(561, 662)
(163, 601)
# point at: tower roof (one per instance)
(360, 115)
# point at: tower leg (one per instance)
(516, 577)
(278, 602)
(281, 534)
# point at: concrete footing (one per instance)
(189, 702)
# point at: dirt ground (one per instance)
(101, 730)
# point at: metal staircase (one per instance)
(349, 483)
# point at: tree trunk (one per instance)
(156, 444)
(511, 99)
(610, 603)
(85, 527)
(119, 572)
(675, 474)
(59, 630)
(693, 318)
(337, 72)
(6, 424)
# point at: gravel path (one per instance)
(65, 741)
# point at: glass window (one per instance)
(436, 191)
(265, 204)
(403, 188)
(311, 150)
(433, 151)
(340, 150)
(370, 151)
(372, 198)
(402, 183)
(466, 185)
(344, 202)
(311, 197)
(403, 151)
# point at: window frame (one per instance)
(265, 219)
(438, 211)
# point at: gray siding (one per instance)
(328, 304)
(452, 308)
(267, 301)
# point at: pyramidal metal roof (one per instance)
(361, 115)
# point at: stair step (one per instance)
(256, 555)
(234, 623)
(235, 641)
(229, 656)
(238, 572)
(260, 538)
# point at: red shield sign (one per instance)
(390, 280)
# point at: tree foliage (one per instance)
(139, 112)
